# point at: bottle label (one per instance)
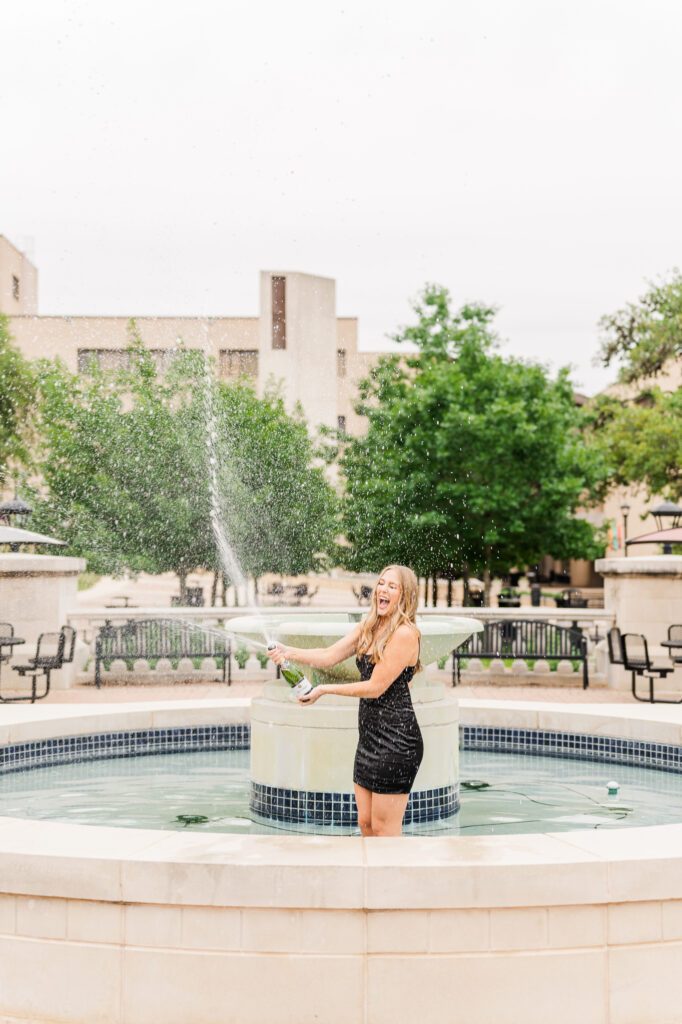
(303, 688)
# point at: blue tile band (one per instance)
(305, 807)
(237, 736)
(138, 743)
(665, 757)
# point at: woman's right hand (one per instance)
(278, 654)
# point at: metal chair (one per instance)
(49, 656)
(6, 630)
(615, 642)
(674, 635)
(637, 661)
(69, 644)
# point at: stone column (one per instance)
(645, 594)
(36, 594)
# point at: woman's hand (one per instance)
(315, 694)
(278, 654)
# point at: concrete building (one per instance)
(297, 340)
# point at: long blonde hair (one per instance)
(373, 638)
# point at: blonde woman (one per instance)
(390, 746)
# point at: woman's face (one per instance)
(388, 592)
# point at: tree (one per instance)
(641, 431)
(645, 335)
(125, 470)
(642, 440)
(472, 463)
(17, 393)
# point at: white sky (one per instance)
(525, 153)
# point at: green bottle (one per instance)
(296, 680)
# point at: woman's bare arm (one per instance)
(401, 650)
(320, 657)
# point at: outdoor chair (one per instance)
(675, 637)
(49, 656)
(6, 631)
(615, 642)
(637, 661)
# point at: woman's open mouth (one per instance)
(382, 603)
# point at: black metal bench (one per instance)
(160, 638)
(525, 639)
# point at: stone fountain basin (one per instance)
(439, 636)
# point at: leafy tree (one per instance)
(641, 431)
(471, 463)
(125, 470)
(17, 393)
(642, 440)
(647, 334)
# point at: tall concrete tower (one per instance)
(298, 341)
(18, 281)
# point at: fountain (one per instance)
(302, 758)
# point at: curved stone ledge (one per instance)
(134, 927)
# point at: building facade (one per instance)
(297, 342)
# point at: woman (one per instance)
(390, 746)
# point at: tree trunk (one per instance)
(182, 576)
(486, 576)
(449, 592)
(434, 592)
(465, 582)
(214, 588)
(426, 591)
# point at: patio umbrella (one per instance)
(672, 536)
(13, 535)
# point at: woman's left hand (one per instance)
(310, 698)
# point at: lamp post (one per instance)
(15, 509)
(625, 509)
(667, 515)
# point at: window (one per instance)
(341, 420)
(238, 362)
(105, 358)
(340, 362)
(15, 287)
(279, 324)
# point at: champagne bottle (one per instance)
(296, 680)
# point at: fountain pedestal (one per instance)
(302, 757)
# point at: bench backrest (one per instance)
(524, 638)
(158, 638)
(6, 629)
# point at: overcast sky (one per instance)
(525, 153)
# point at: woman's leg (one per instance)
(388, 811)
(363, 799)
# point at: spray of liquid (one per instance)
(226, 552)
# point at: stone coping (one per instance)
(49, 859)
(640, 565)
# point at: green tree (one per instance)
(124, 463)
(472, 463)
(17, 393)
(644, 336)
(640, 429)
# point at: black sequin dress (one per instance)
(390, 747)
